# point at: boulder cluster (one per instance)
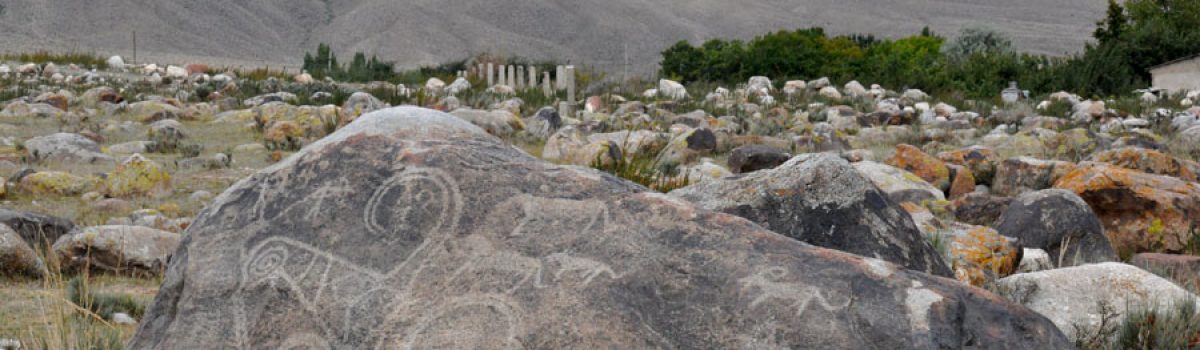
(801, 214)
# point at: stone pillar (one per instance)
(503, 75)
(520, 77)
(533, 77)
(490, 77)
(511, 76)
(570, 78)
(479, 71)
(547, 89)
(559, 84)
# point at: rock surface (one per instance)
(1055, 220)
(65, 147)
(17, 258)
(126, 250)
(36, 229)
(901, 186)
(1141, 212)
(751, 158)
(818, 198)
(413, 229)
(1072, 297)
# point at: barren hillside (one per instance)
(428, 31)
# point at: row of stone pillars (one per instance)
(526, 77)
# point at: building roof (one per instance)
(1181, 59)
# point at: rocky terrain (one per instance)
(601, 34)
(293, 212)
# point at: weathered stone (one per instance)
(167, 134)
(962, 181)
(411, 228)
(17, 258)
(138, 176)
(751, 158)
(357, 104)
(980, 208)
(1034, 260)
(570, 146)
(1141, 212)
(65, 147)
(901, 186)
(1149, 161)
(1073, 297)
(54, 183)
(821, 200)
(1183, 269)
(927, 167)
(126, 250)
(688, 146)
(154, 110)
(36, 229)
(979, 159)
(978, 255)
(672, 90)
(497, 122)
(1018, 175)
(1060, 223)
(20, 109)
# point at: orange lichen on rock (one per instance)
(1130, 202)
(1149, 161)
(925, 166)
(982, 255)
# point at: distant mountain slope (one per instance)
(417, 32)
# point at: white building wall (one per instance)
(1177, 77)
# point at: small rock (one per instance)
(751, 158)
(125, 250)
(1034, 260)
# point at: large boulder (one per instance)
(901, 186)
(36, 229)
(927, 167)
(1149, 161)
(978, 254)
(65, 147)
(359, 103)
(137, 176)
(818, 198)
(1141, 212)
(980, 208)
(59, 183)
(17, 258)
(496, 122)
(1015, 176)
(1060, 223)
(410, 228)
(672, 90)
(1077, 298)
(126, 250)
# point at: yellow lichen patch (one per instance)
(981, 254)
(922, 165)
(287, 135)
(54, 182)
(138, 176)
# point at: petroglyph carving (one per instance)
(478, 321)
(550, 215)
(769, 286)
(586, 269)
(411, 205)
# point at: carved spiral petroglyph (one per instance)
(408, 207)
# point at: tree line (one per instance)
(978, 63)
